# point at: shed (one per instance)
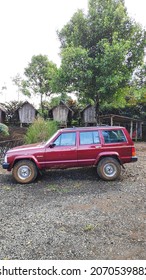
(134, 126)
(2, 114)
(88, 116)
(27, 113)
(62, 114)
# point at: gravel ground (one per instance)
(72, 214)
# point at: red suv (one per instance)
(106, 147)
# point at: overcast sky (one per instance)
(28, 27)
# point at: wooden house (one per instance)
(2, 114)
(88, 116)
(62, 114)
(26, 113)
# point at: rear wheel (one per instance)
(24, 171)
(109, 169)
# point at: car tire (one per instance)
(25, 171)
(109, 169)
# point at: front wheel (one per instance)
(109, 169)
(24, 171)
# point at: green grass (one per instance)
(89, 227)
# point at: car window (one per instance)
(66, 139)
(89, 137)
(113, 136)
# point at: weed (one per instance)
(88, 227)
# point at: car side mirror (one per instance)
(52, 145)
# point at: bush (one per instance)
(4, 131)
(40, 131)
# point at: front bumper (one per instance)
(5, 165)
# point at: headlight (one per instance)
(5, 158)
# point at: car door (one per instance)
(63, 151)
(88, 147)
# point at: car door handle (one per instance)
(98, 147)
(73, 149)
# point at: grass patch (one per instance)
(88, 227)
(57, 189)
(40, 131)
(52, 188)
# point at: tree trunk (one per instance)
(41, 105)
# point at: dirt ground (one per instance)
(15, 133)
(72, 214)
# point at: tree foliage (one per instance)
(11, 108)
(100, 50)
(38, 77)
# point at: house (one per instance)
(134, 126)
(2, 114)
(26, 113)
(62, 114)
(88, 116)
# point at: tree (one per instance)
(17, 80)
(137, 88)
(100, 50)
(38, 77)
(11, 108)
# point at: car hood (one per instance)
(27, 147)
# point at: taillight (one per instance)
(133, 152)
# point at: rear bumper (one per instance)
(133, 159)
(5, 165)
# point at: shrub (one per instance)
(4, 131)
(40, 131)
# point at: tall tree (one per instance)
(38, 77)
(100, 50)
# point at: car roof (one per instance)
(105, 127)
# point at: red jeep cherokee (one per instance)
(106, 147)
